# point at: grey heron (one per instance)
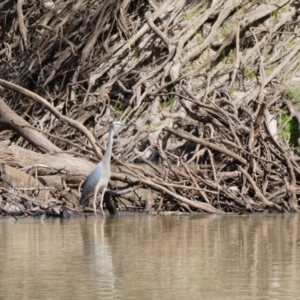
(98, 179)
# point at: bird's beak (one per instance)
(125, 125)
(121, 124)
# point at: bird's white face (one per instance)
(120, 124)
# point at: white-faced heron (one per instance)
(98, 179)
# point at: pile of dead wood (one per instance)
(203, 83)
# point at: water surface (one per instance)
(136, 256)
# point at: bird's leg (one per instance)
(101, 202)
(94, 203)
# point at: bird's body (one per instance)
(91, 183)
(99, 177)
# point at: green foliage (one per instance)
(292, 44)
(228, 58)
(248, 72)
(170, 100)
(270, 68)
(119, 107)
(241, 9)
(14, 138)
(232, 90)
(189, 15)
(289, 129)
(155, 126)
(293, 91)
(275, 14)
(226, 27)
(135, 50)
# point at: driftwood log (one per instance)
(205, 85)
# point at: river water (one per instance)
(136, 256)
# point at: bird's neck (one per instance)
(108, 151)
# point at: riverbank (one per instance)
(212, 91)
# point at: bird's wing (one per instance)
(90, 183)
